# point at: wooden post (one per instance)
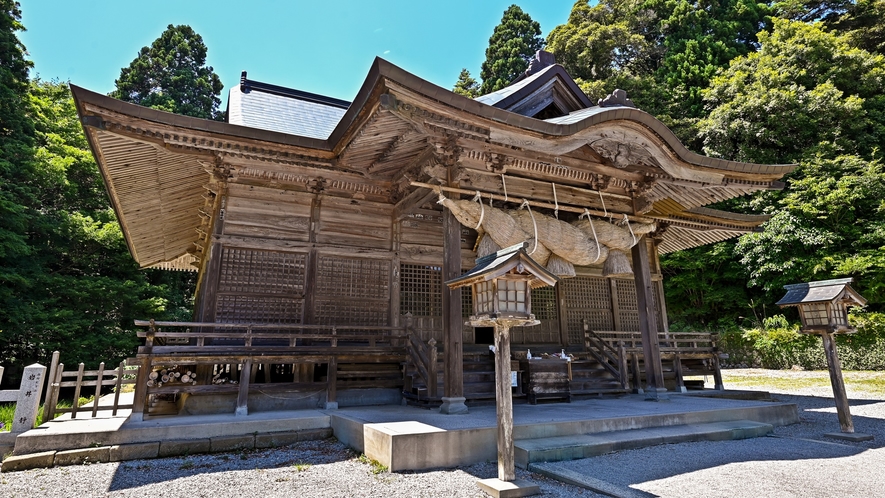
(140, 395)
(432, 369)
(98, 380)
(51, 386)
(841, 397)
(452, 321)
(332, 384)
(637, 378)
(52, 398)
(118, 387)
(561, 314)
(648, 324)
(243, 394)
(504, 404)
(77, 387)
(622, 365)
(677, 370)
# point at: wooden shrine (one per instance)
(334, 225)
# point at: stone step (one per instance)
(557, 449)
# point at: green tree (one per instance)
(17, 199)
(466, 85)
(81, 289)
(172, 75)
(512, 45)
(604, 47)
(806, 91)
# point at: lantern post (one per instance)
(502, 284)
(823, 309)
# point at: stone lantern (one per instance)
(823, 309)
(501, 284)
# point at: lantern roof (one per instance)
(501, 262)
(820, 292)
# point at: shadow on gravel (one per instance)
(801, 441)
(296, 458)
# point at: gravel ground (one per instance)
(797, 461)
(312, 468)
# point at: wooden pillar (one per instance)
(504, 404)
(839, 393)
(451, 304)
(561, 310)
(332, 384)
(648, 324)
(243, 393)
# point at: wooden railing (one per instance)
(424, 357)
(245, 344)
(612, 358)
(82, 378)
(689, 353)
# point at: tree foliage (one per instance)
(466, 85)
(512, 45)
(171, 75)
(805, 90)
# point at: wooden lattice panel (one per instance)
(351, 277)
(628, 310)
(252, 309)
(352, 291)
(256, 286)
(420, 288)
(590, 299)
(261, 272)
(338, 312)
(544, 303)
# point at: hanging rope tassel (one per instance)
(482, 209)
(555, 202)
(525, 204)
(442, 198)
(595, 238)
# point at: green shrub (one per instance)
(777, 344)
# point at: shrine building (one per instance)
(322, 232)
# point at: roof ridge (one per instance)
(247, 85)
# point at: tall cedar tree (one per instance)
(171, 75)
(17, 186)
(511, 47)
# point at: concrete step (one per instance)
(557, 449)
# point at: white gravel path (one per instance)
(312, 468)
(796, 462)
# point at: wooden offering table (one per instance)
(546, 378)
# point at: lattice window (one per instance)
(337, 312)
(261, 272)
(628, 309)
(590, 299)
(420, 288)
(544, 303)
(466, 302)
(587, 292)
(352, 291)
(251, 309)
(351, 277)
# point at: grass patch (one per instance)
(871, 383)
(300, 466)
(7, 412)
(375, 467)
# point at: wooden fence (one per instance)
(82, 380)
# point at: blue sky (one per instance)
(324, 46)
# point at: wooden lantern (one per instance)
(823, 309)
(501, 284)
(823, 305)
